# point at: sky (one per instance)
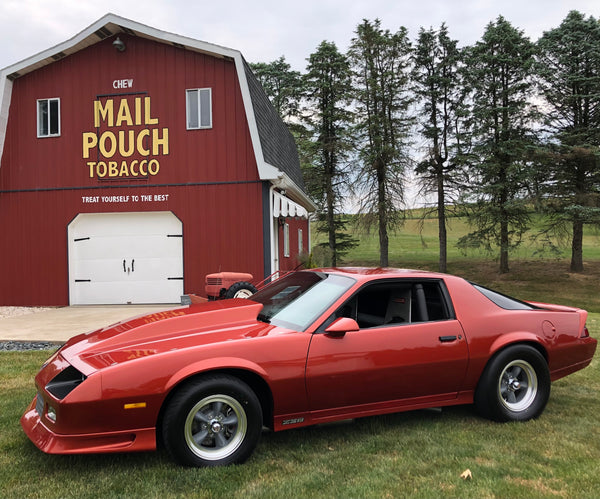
(264, 30)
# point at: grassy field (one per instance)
(413, 454)
(413, 243)
(534, 275)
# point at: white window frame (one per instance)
(300, 241)
(40, 133)
(286, 240)
(197, 103)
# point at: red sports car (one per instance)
(311, 347)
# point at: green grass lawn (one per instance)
(417, 241)
(534, 274)
(412, 454)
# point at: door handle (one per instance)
(447, 339)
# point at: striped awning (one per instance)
(285, 207)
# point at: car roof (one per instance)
(364, 274)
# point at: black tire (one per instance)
(240, 289)
(515, 385)
(213, 421)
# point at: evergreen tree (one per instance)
(284, 88)
(328, 86)
(381, 61)
(437, 86)
(569, 72)
(499, 69)
(282, 85)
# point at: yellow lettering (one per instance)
(124, 115)
(140, 143)
(153, 167)
(91, 164)
(148, 120)
(160, 142)
(124, 171)
(112, 169)
(103, 113)
(108, 137)
(130, 142)
(90, 140)
(101, 164)
(138, 111)
(124, 143)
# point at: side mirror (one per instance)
(341, 326)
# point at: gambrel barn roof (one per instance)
(274, 146)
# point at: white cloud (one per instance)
(263, 30)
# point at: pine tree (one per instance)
(499, 69)
(381, 60)
(328, 94)
(282, 85)
(437, 86)
(569, 71)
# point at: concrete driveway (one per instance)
(60, 324)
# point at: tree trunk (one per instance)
(382, 216)
(577, 247)
(504, 247)
(504, 233)
(441, 209)
(331, 218)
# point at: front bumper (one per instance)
(143, 439)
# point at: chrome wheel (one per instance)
(518, 385)
(515, 385)
(215, 427)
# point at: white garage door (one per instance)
(125, 258)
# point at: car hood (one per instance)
(185, 327)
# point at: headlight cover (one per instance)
(65, 382)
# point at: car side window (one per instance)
(395, 303)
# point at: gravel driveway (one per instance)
(5, 313)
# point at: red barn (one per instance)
(133, 163)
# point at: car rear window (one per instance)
(503, 301)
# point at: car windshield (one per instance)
(298, 299)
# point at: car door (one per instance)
(409, 348)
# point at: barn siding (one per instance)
(210, 176)
(216, 236)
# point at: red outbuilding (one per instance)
(133, 163)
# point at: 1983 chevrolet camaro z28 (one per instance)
(311, 347)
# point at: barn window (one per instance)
(286, 240)
(198, 108)
(48, 117)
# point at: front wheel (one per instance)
(216, 420)
(515, 385)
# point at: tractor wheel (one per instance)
(240, 289)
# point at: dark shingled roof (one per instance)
(278, 144)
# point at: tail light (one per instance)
(585, 333)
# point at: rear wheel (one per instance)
(214, 421)
(240, 289)
(515, 385)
